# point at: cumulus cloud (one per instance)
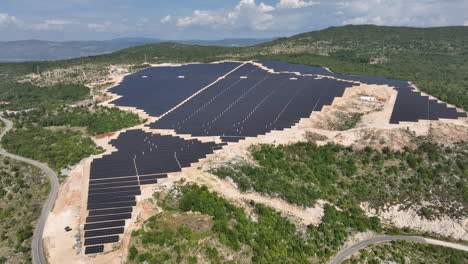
(292, 4)
(200, 18)
(166, 19)
(245, 14)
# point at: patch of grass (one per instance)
(313, 137)
(344, 121)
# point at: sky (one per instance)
(63, 20)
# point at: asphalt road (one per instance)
(345, 253)
(37, 245)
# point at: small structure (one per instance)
(243, 77)
(293, 79)
(181, 77)
(109, 134)
(4, 103)
(11, 112)
(368, 98)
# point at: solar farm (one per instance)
(205, 107)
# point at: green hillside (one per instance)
(436, 59)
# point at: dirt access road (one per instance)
(37, 245)
(347, 252)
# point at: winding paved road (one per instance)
(345, 253)
(37, 245)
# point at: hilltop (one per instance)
(39, 50)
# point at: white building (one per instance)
(368, 98)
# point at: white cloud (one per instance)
(199, 17)
(466, 23)
(245, 14)
(166, 19)
(100, 27)
(6, 19)
(291, 4)
(48, 25)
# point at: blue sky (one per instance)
(212, 19)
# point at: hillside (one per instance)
(37, 50)
(436, 59)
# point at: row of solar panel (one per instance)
(111, 211)
(103, 218)
(101, 240)
(94, 249)
(104, 232)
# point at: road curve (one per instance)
(345, 253)
(37, 248)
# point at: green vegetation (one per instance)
(97, 120)
(430, 178)
(313, 137)
(408, 252)
(56, 148)
(23, 188)
(344, 121)
(27, 95)
(271, 238)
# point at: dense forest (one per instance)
(26, 95)
(97, 120)
(431, 178)
(58, 149)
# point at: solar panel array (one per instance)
(237, 107)
(410, 105)
(248, 102)
(115, 179)
(156, 90)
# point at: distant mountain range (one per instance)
(38, 50)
